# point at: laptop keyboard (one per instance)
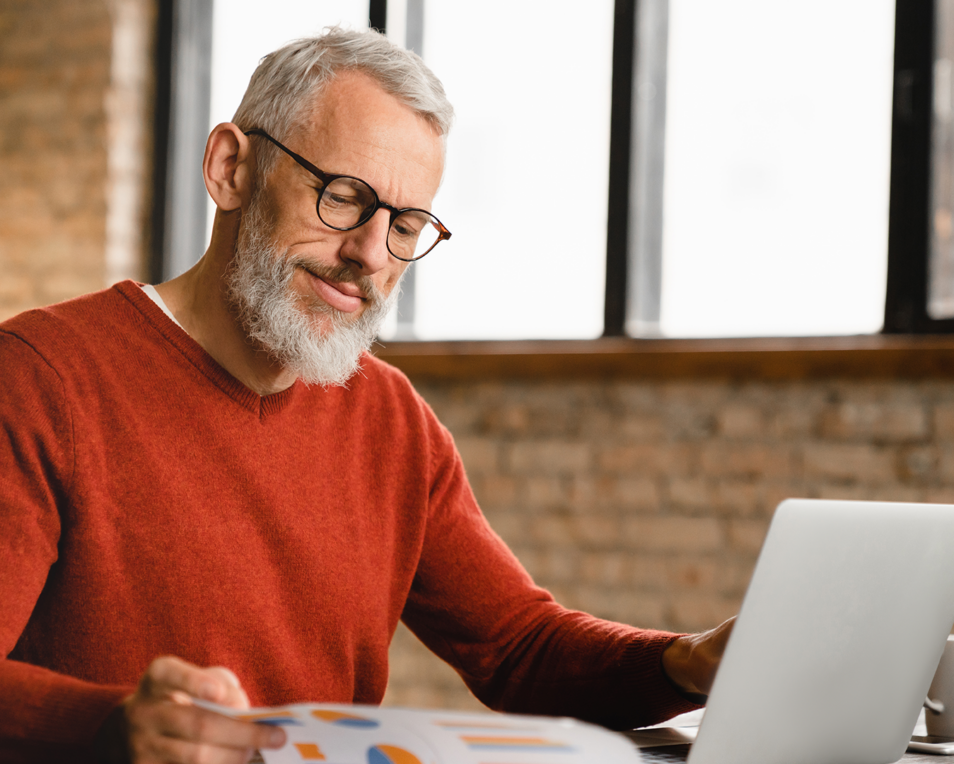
(665, 754)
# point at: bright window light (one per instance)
(777, 163)
(525, 186)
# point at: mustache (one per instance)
(341, 273)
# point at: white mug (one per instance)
(940, 719)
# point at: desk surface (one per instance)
(925, 757)
(683, 729)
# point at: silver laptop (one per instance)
(840, 632)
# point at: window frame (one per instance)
(183, 67)
(909, 218)
(909, 212)
(906, 292)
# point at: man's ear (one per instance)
(225, 166)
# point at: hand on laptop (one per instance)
(691, 661)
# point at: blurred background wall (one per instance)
(75, 118)
(647, 502)
(639, 501)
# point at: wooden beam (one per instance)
(874, 356)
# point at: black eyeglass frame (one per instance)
(328, 178)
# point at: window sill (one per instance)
(868, 356)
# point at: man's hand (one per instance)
(159, 722)
(691, 661)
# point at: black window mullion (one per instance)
(378, 15)
(621, 125)
(181, 123)
(165, 31)
(910, 215)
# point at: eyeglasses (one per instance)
(345, 203)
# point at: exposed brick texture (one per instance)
(55, 77)
(648, 503)
(55, 65)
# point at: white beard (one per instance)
(259, 284)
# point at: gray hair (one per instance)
(286, 83)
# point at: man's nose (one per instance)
(367, 246)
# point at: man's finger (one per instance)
(719, 636)
(227, 674)
(235, 696)
(170, 674)
(198, 725)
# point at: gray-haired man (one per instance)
(197, 477)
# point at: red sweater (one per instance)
(152, 505)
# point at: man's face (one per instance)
(309, 295)
(356, 129)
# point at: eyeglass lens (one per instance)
(348, 202)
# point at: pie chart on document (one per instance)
(391, 754)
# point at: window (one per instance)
(525, 185)
(672, 168)
(774, 161)
(941, 274)
(913, 165)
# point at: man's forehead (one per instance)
(356, 127)
(354, 105)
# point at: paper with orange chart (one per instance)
(347, 734)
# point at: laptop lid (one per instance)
(838, 637)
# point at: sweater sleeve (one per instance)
(474, 605)
(43, 714)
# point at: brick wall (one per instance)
(56, 73)
(647, 503)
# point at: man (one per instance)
(210, 491)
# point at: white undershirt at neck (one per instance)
(150, 290)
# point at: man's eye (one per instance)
(405, 231)
(339, 199)
(408, 226)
